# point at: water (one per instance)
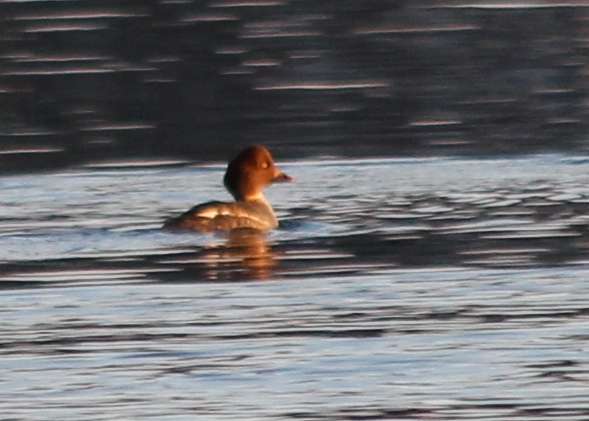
(81, 81)
(439, 289)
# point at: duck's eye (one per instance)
(264, 165)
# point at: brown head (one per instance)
(251, 171)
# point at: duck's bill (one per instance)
(282, 177)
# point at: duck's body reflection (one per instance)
(245, 255)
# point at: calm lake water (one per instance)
(438, 289)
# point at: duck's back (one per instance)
(212, 216)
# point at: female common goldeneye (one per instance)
(246, 176)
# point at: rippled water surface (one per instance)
(437, 289)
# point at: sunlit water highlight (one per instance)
(395, 289)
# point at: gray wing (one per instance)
(217, 215)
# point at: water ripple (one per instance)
(458, 287)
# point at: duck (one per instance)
(246, 176)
